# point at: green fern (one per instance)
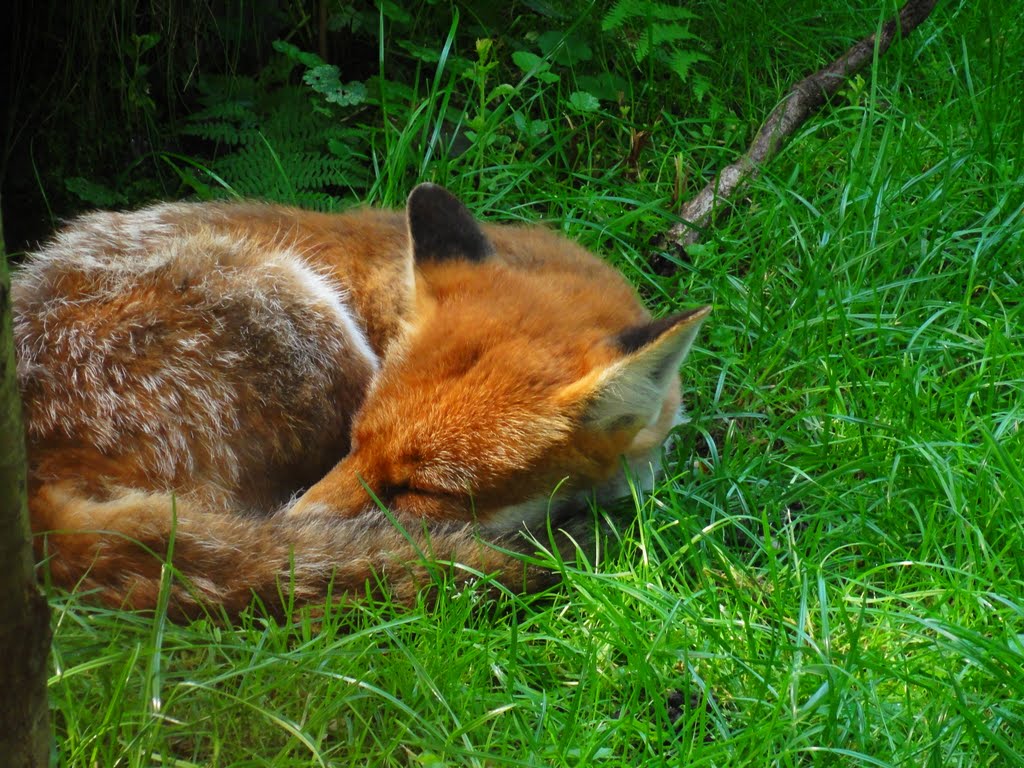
(270, 138)
(630, 10)
(229, 122)
(660, 31)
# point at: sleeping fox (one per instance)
(288, 405)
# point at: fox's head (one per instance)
(529, 377)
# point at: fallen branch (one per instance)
(804, 99)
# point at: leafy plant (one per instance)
(659, 33)
(281, 141)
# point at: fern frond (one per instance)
(659, 36)
(283, 141)
(221, 132)
(680, 62)
(644, 11)
(668, 12)
(618, 13)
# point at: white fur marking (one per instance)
(324, 292)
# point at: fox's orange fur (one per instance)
(249, 384)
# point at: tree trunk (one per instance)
(24, 613)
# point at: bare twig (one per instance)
(803, 100)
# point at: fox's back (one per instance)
(204, 346)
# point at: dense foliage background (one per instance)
(832, 571)
(115, 102)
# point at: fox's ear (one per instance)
(441, 227)
(630, 392)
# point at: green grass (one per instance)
(831, 573)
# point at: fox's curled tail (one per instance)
(117, 550)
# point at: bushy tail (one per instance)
(118, 550)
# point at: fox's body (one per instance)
(254, 383)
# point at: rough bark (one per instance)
(803, 100)
(24, 614)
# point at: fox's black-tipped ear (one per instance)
(630, 391)
(441, 227)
